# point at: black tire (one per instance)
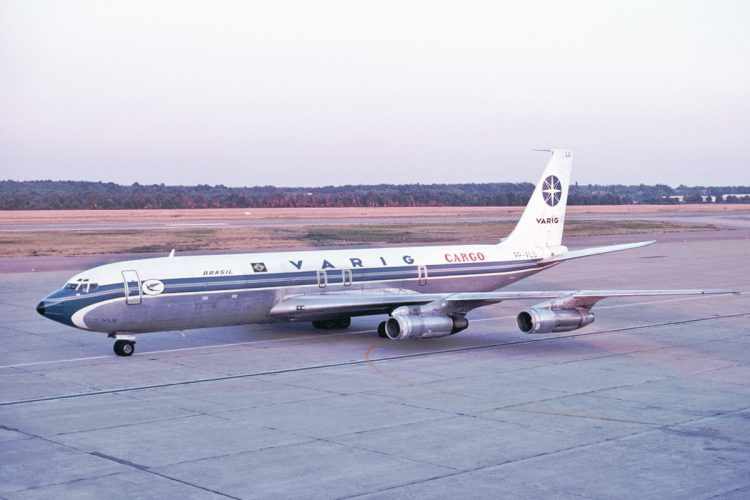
(343, 323)
(381, 330)
(333, 324)
(124, 347)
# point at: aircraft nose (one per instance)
(52, 308)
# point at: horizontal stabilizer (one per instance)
(587, 252)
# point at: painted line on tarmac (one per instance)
(180, 349)
(285, 339)
(358, 362)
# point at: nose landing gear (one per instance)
(124, 345)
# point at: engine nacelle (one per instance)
(412, 326)
(546, 320)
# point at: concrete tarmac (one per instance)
(651, 401)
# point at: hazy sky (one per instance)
(316, 92)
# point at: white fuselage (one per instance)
(174, 293)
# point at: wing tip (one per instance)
(722, 291)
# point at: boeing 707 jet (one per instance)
(424, 291)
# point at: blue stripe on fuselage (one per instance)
(65, 302)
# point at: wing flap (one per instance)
(325, 305)
(352, 303)
(578, 298)
(553, 294)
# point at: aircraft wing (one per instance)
(333, 304)
(352, 303)
(577, 298)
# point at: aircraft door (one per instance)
(322, 276)
(132, 283)
(346, 277)
(422, 275)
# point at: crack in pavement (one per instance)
(143, 468)
(650, 430)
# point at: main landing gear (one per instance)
(124, 344)
(333, 324)
(381, 330)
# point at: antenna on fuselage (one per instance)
(171, 253)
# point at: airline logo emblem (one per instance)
(259, 267)
(551, 190)
(152, 287)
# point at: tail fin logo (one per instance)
(551, 190)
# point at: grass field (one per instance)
(68, 243)
(229, 214)
(92, 232)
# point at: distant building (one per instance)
(738, 196)
(679, 198)
(706, 198)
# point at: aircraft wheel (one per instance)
(343, 323)
(124, 347)
(333, 324)
(381, 330)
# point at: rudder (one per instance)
(542, 222)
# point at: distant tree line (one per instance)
(46, 194)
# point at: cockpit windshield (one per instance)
(82, 285)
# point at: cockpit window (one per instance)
(82, 285)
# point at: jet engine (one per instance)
(547, 320)
(413, 326)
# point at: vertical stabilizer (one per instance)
(541, 224)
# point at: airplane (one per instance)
(425, 291)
